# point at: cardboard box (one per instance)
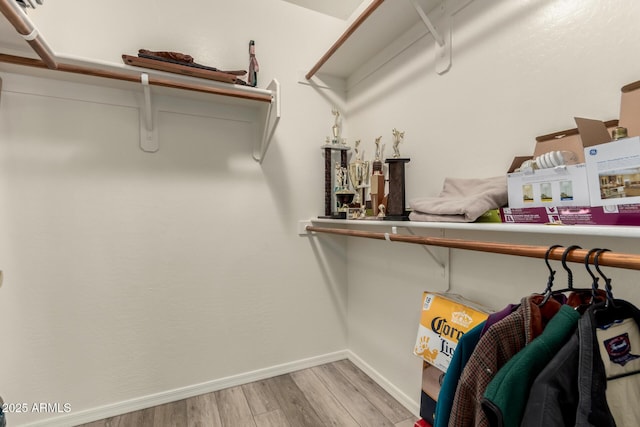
(628, 215)
(444, 319)
(517, 162)
(630, 108)
(431, 383)
(613, 172)
(567, 140)
(560, 186)
(613, 167)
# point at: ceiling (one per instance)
(338, 8)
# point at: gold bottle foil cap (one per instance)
(619, 132)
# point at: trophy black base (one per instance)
(336, 215)
(396, 204)
(396, 217)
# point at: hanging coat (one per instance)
(506, 395)
(571, 389)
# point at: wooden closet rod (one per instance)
(352, 28)
(135, 78)
(16, 16)
(611, 259)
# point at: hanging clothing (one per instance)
(619, 345)
(572, 389)
(499, 344)
(464, 349)
(506, 395)
(498, 316)
(553, 396)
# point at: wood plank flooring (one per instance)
(335, 394)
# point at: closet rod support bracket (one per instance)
(269, 122)
(427, 21)
(302, 228)
(442, 264)
(440, 28)
(148, 134)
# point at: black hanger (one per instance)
(594, 283)
(569, 287)
(567, 269)
(607, 281)
(552, 272)
(611, 310)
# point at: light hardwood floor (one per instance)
(335, 394)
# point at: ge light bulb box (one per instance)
(559, 186)
(443, 320)
(613, 171)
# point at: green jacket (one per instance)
(506, 395)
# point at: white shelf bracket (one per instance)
(442, 261)
(440, 29)
(432, 29)
(434, 257)
(302, 228)
(271, 119)
(148, 135)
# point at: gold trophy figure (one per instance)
(397, 139)
(335, 129)
(359, 174)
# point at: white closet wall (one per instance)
(133, 278)
(519, 69)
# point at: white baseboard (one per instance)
(409, 403)
(144, 402)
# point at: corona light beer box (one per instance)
(444, 319)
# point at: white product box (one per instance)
(560, 186)
(613, 172)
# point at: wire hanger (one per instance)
(569, 287)
(607, 281)
(567, 269)
(552, 272)
(594, 282)
(611, 310)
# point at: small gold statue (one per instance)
(397, 139)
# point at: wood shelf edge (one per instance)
(344, 37)
(134, 77)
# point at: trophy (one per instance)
(377, 179)
(334, 179)
(396, 204)
(344, 196)
(397, 139)
(359, 174)
(335, 129)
